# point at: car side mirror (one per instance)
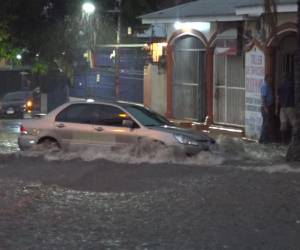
(128, 123)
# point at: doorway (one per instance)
(285, 58)
(229, 89)
(189, 86)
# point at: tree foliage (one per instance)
(52, 31)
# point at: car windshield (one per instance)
(147, 117)
(16, 96)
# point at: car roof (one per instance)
(107, 101)
(119, 103)
(19, 92)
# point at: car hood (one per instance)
(195, 135)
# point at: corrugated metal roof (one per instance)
(207, 8)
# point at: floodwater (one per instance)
(242, 195)
(229, 151)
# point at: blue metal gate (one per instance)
(100, 81)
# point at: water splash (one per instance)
(230, 152)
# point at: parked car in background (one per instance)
(107, 124)
(17, 104)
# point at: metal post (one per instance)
(117, 57)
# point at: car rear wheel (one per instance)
(48, 144)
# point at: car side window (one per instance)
(109, 115)
(75, 113)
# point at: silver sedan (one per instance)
(107, 124)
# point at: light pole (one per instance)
(117, 58)
(88, 9)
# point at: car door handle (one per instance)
(99, 129)
(60, 125)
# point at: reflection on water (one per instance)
(9, 131)
(10, 126)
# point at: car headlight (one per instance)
(29, 104)
(186, 140)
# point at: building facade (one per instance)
(218, 53)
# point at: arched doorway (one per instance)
(285, 57)
(189, 87)
(281, 61)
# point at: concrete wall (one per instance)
(155, 88)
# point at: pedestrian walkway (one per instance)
(213, 130)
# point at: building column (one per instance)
(270, 66)
(170, 65)
(210, 85)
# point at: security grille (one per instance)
(229, 89)
(189, 91)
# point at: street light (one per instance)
(19, 57)
(88, 8)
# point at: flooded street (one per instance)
(241, 196)
(149, 125)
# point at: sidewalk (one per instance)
(213, 129)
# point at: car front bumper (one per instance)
(193, 150)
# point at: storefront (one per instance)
(214, 76)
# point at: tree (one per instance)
(55, 29)
(293, 153)
(8, 51)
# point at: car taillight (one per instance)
(23, 130)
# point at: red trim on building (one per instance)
(255, 43)
(180, 33)
(281, 30)
(212, 40)
(272, 47)
(270, 64)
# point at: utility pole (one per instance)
(117, 57)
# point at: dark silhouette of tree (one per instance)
(50, 31)
(293, 153)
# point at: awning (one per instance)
(226, 43)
